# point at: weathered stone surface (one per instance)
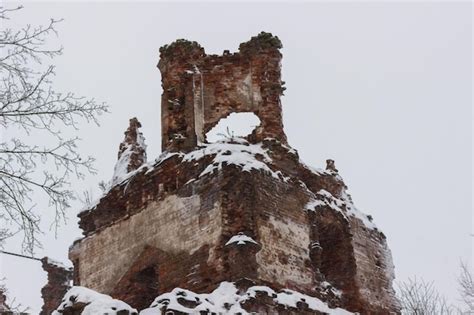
(59, 279)
(188, 218)
(169, 223)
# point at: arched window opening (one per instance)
(236, 125)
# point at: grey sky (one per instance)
(383, 89)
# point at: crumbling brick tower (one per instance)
(245, 211)
(200, 89)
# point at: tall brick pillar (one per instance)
(200, 89)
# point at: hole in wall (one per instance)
(236, 125)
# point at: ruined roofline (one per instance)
(263, 41)
(172, 172)
(199, 90)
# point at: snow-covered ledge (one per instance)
(227, 299)
(92, 303)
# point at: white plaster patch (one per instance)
(171, 225)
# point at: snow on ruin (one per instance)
(237, 151)
(57, 263)
(345, 206)
(227, 300)
(353, 211)
(97, 303)
(121, 172)
(242, 154)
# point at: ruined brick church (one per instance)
(237, 226)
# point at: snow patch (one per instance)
(97, 303)
(325, 198)
(121, 172)
(353, 211)
(328, 286)
(247, 156)
(120, 169)
(344, 206)
(57, 263)
(291, 298)
(141, 140)
(240, 239)
(226, 299)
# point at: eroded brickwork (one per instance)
(59, 281)
(200, 89)
(169, 223)
(180, 222)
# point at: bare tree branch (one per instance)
(29, 102)
(421, 298)
(12, 307)
(466, 287)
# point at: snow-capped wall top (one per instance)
(344, 205)
(237, 152)
(56, 263)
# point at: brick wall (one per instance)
(200, 89)
(166, 226)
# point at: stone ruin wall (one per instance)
(190, 225)
(107, 255)
(375, 268)
(284, 229)
(203, 223)
(271, 213)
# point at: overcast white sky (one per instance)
(383, 89)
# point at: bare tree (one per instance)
(466, 288)
(421, 298)
(12, 307)
(29, 104)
